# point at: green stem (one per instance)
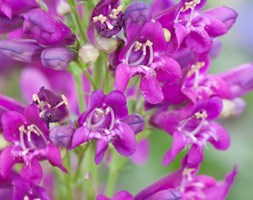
(111, 182)
(77, 20)
(87, 74)
(79, 85)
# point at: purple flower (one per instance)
(23, 50)
(193, 125)
(192, 29)
(103, 122)
(119, 196)
(107, 17)
(53, 108)
(57, 57)
(28, 136)
(144, 55)
(48, 31)
(186, 184)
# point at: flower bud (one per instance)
(135, 121)
(107, 45)
(48, 31)
(63, 8)
(57, 57)
(88, 54)
(62, 135)
(23, 50)
(234, 107)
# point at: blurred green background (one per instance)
(237, 49)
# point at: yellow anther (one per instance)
(148, 43)
(114, 13)
(200, 115)
(137, 46)
(101, 18)
(195, 68)
(167, 34)
(190, 5)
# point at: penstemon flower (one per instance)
(98, 81)
(106, 121)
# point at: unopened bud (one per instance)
(23, 50)
(135, 121)
(57, 57)
(88, 54)
(233, 107)
(107, 45)
(62, 135)
(63, 8)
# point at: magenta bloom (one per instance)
(28, 136)
(189, 186)
(107, 17)
(195, 30)
(144, 55)
(48, 31)
(193, 125)
(104, 122)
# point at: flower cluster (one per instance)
(97, 80)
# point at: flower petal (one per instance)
(102, 146)
(179, 143)
(122, 76)
(151, 89)
(53, 155)
(11, 121)
(80, 136)
(125, 143)
(7, 160)
(117, 101)
(221, 138)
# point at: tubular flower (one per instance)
(103, 121)
(186, 184)
(29, 138)
(193, 125)
(194, 29)
(144, 55)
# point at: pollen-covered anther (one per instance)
(41, 104)
(194, 68)
(137, 46)
(100, 18)
(114, 13)
(190, 5)
(167, 34)
(200, 115)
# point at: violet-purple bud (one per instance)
(136, 13)
(48, 31)
(107, 17)
(135, 121)
(57, 57)
(23, 50)
(62, 135)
